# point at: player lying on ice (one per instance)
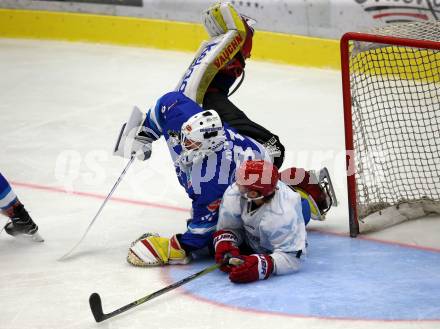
(205, 153)
(262, 225)
(218, 63)
(20, 222)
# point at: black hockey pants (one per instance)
(238, 119)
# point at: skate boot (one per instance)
(315, 186)
(21, 223)
(327, 197)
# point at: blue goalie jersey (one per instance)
(206, 180)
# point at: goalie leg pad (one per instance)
(153, 250)
(221, 18)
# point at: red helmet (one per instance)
(257, 175)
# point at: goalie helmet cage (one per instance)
(391, 88)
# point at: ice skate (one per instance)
(22, 225)
(328, 196)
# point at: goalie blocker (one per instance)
(134, 138)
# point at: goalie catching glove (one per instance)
(133, 139)
(152, 250)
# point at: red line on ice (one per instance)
(98, 196)
(173, 208)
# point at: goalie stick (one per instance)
(96, 304)
(100, 209)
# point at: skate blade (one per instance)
(325, 175)
(36, 237)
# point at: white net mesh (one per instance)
(417, 31)
(395, 93)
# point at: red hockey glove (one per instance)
(225, 245)
(254, 267)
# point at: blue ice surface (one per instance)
(341, 278)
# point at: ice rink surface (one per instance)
(61, 108)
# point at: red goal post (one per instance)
(391, 97)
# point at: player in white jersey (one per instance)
(261, 226)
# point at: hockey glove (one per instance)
(133, 140)
(151, 250)
(254, 267)
(225, 245)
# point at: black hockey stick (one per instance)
(96, 304)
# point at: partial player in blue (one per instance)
(20, 222)
(205, 153)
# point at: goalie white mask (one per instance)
(201, 135)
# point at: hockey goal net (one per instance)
(391, 90)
